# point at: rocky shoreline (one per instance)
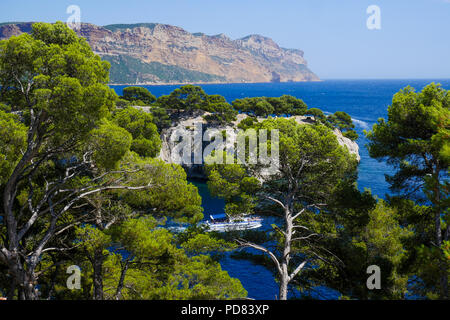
(199, 83)
(187, 124)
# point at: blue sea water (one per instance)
(364, 100)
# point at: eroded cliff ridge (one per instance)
(157, 53)
(185, 127)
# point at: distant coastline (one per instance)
(161, 54)
(200, 83)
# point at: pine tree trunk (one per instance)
(98, 274)
(123, 272)
(283, 286)
(24, 281)
(284, 276)
(30, 293)
(443, 278)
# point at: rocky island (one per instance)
(188, 124)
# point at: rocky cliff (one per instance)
(158, 53)
(186, 125)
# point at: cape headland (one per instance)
(152, 53)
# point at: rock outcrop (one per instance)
(157, 53)
(186, 126)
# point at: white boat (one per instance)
(221, 223)
(177, 229)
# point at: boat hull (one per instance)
(232, 226)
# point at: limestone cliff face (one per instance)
(186, 126)
(9, 30)
(152, 53)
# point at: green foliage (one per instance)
(92, 238)
(69, 81)
(344, 123)
(222, 113)
(144, 147)
(146, 141)
(160, 118)
(138, 96)
(317, 114)
(329, 162)
(215, 98)
(237, 184)
(202, 278)
(232, 183)
(12, 143)
(203, 243)
(414, 140)
(5, 108)
(294, 106)
(264, 107)
(163, 102)
(423, 261)
(140, 238)
(351, 134)
(247, 123)
(411, 138)
(70, 155)
(287, 105)
(122, 103)
(110, 143)
(312, 168)
(188, 98)
(55, 102)
(364, 233)
(254, 106)
(341, 120)
(157, 269)
(384, 238)
(170, 194)
(428, 271)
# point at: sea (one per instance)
(364, 100)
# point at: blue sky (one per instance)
(414, 40)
